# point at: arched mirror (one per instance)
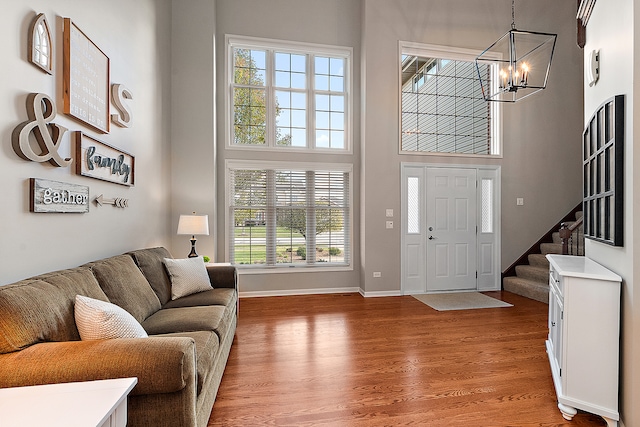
(40, 46)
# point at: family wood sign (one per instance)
(98, 160)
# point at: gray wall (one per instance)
(171, 53)
(331, 22)
(541, 135)
(193, 121)
(612, 28)
(539, 149)
(134, 36)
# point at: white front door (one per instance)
(451, 227)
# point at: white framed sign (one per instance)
(85, 78)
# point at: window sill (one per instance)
(245, 269)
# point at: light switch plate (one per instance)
(389, 224)
(389, 213)
(519, 201)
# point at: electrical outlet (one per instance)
(377, 274)
(389, 224)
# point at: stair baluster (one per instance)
(570, 236)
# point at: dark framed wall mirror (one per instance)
(603, 168)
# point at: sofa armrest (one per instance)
(161, 364)
(223, 276)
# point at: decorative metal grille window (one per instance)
(442, 108)
(289, 217)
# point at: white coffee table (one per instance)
(100, 403)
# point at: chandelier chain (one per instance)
(513, 14)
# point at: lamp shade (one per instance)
(194, 225)
(516, 65)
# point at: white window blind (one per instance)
(289, 217)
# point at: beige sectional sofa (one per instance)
(179, 366)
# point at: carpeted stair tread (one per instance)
(539, 260)
(532, 281)
(533, 272)
(551, 248)
(527, 288)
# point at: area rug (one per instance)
(460, 301)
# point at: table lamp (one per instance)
(194, 225)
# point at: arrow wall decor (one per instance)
(118, 202)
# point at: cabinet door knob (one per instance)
(553, 323)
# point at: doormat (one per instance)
(460, 301)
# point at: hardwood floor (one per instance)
(345, 360)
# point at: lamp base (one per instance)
(193, 253)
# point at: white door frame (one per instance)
(414, 244)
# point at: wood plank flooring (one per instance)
(345, 360)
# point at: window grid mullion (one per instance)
(346, 229)
(271, 98)
(311, 102)
(311, 217)
(271, 220)
(231, 189)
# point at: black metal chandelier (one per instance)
(516, 65)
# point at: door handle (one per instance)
(431, 237)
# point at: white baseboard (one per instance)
(380, 294)
(282, 293)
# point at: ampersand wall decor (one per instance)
(41, 111)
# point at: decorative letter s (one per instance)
(118, 94)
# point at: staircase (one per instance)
(532, 279)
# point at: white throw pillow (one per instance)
(99, 320)
(188, 276)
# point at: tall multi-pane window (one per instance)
(286, 217)
(291, 96)
(442, 107)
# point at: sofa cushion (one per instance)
(217, 296)
(126, 286)
(188, 276)
(151, 263)
(100, 320)
(40, 309)
(188, 319)
(207, 345)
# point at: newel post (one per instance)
(565, 235)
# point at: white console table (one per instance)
(584, 336)
(100, 403)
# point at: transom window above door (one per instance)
(442, 107)
(288, 96)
